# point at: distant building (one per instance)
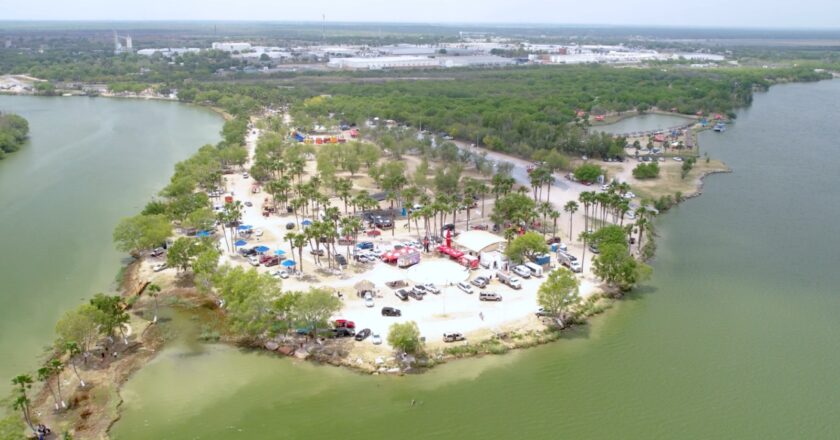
(168, 51)
(231, 47)
(379, 63)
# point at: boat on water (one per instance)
(720, 127)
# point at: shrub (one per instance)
(646, 170)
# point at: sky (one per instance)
(707, 13)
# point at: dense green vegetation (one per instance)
(535, 108)
(13, 132)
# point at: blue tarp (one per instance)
(245, 227)
(306, 222)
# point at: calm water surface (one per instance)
(735, 337)
(645, 122)
(89, 163)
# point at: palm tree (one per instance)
(343, 188)
(154, 290)
(299, 243)
(571, 207)
(22, 402)
(555, 215)
(584, 236)
(545, 210)
(642, 223)
(57, 367)
(45, 375)
(72, 349)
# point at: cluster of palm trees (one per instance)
(327, 232)
(611, 206)
(48, 374)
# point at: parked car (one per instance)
(390, 311)
(318, 252)
(248, 204)
(280, 274)
(376, 339)
(382, 222)
(365, 245)
(273, 260)
(340, 260)
(373, 233)
(465, 287)
(678, 159)
(159, 267)
(254, 260)
(431, 288)
(290, 226)
(594, 248)
(541, 312)
(402, 294)
(629, 195)
(363, 334)
(344, 332)
(416, 294)
(522, 271)
(156, 252)
(453, 337)
(481, 227)
(480, 282)
(489, 296)
(248, 252)
(368, 299)
(419, 288)
(344, 323)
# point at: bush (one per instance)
(589, 172)
(646, 170)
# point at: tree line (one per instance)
(14, 130)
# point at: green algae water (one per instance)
(736, 336)
(89, 162)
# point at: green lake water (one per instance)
(736, 336)
(89, 163)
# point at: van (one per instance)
(489, 296)
(536, 269)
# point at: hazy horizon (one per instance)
(822, 14)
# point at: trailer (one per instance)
(468, 261)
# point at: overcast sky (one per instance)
(723, 13)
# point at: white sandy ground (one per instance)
(450, 311)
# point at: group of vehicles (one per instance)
(417, 292)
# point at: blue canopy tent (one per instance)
(202, 234)
(306, 222)
(261, 249)
(245, 227)
(288, 263)
(279, 252)
(240, 243)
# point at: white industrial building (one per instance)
(475, 61)
(231, 47)
(378, 63)
(168, 51)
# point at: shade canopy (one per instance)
(202, 234)
(261, 249)
(279, 252)
(240, 243)
(306, 222)
(245, 227)
(288, 263)
(364, 285)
